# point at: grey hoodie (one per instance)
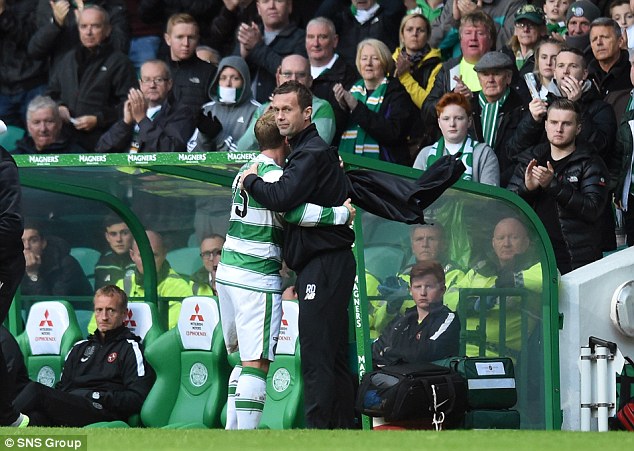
(234, 117)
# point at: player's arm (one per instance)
(311, 215)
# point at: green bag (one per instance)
(490, 380)
(492, 419)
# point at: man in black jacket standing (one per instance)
(11, 271)
(322, 257)
(566, 184)
(105, 377)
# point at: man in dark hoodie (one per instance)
(50, 269)
(105, 377)
(152, 120)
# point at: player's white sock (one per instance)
(250, 397)
(232, 419)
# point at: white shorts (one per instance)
(250, 321)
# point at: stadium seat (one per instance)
(143, 320)
(87, 259)
(284, 407)
(185, 261)
(191, 367)
(50, 333)
(9, 138)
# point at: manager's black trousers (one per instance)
(324, 287)
(11, 272)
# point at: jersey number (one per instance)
(242, 212)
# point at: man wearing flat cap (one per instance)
(497, 109)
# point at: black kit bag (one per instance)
(414, 392)
(624, 419)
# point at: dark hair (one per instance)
(111, 219)
(34, 224)
(477, 18)
(561, 103)
(576, 51)
(429, 267)
(607, 22)
(113, 291)
(304, 96)
(267, 133)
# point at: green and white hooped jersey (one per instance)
(252, 253)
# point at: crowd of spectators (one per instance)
(400, 81)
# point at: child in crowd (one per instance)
(621, 12)
(555, 11)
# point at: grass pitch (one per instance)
(197, 439)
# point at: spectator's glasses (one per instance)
(156, 81)
(210, 254)
(525, 25)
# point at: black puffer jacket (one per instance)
(580, 192)
(191, 80)
(19, 71)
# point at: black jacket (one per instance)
(405, 340)
(340, 72)
(312, 174)
(11, 222)
(616, 79)
(111, 268)
(93, 83)
(263, 60)
(51, 42)
(60, 274)
(390, 126)
(167, 132)
(18, 375)
(19, 71)
(26, 146)
(579, 190)
(114, 367)
(223, 27)
(442, 85)
(511, 113)
(383, 25)
(191, 80)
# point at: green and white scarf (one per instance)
(438, 150)
(490, 119)
(355, 139)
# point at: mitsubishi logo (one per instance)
(129, 322)
(284, 321)
(46, 321)
(196, 316)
